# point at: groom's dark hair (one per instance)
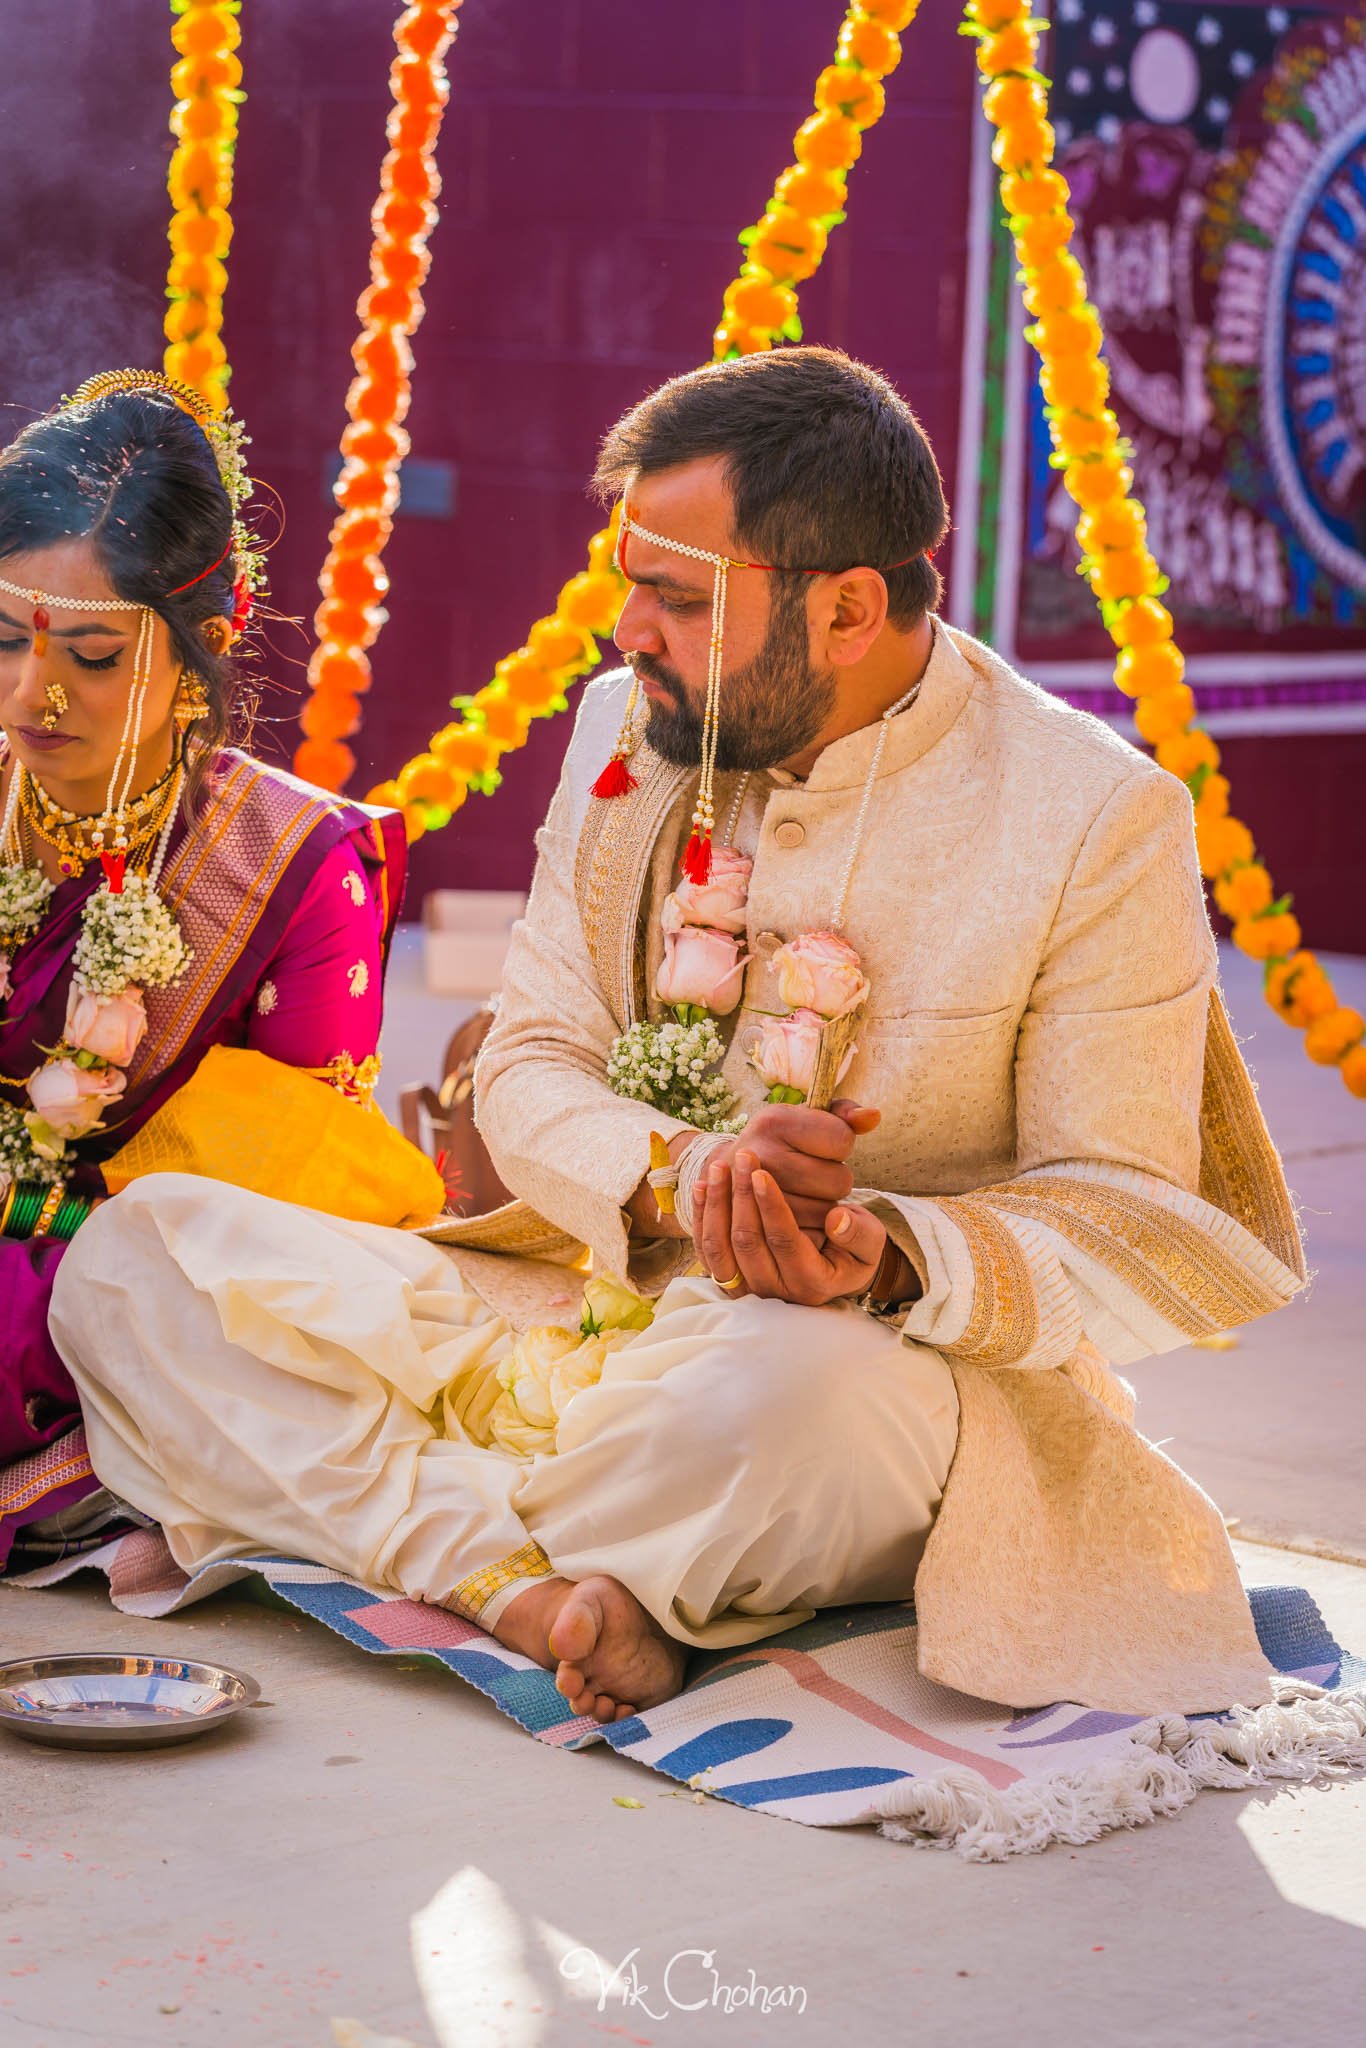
(827, 465)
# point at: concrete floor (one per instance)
(375, 1842)
(379, 1843)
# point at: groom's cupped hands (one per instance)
(768, 1212)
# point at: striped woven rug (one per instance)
(832, 1724)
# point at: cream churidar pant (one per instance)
(264, 1378)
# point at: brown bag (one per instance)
(440, 1122)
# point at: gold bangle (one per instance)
(56, 1194)
(10, 1192)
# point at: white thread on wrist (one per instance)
(690, 1169)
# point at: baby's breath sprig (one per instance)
(671, 1066)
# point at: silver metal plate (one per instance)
(108, 1700)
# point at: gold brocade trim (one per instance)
(1172, 1264)
(357, 1081)
(1240, 1169)
(77, 1466)
(219, 916)
(1004, 1323)
(473, 1594)
(377, 836)
(611, 865)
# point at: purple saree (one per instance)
(288, 899)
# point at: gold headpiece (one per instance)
(228, 440)
(190, 401)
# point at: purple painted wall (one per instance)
(599, 157)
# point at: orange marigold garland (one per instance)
(760, 307)
(205, 81)
(353, 581)
(786, 245)
(1112, 530)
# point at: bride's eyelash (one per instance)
(105, 660)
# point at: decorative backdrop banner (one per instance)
(1217, 161)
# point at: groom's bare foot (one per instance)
(610, 1658)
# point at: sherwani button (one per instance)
(767, 943)
(790, 833)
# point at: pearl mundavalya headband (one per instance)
(226, 439)
(616, 778)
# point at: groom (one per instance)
(881, 1355)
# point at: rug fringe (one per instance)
(1305, 1733)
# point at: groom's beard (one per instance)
(772, 708)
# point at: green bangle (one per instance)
(24, 1211)
(26, 1208)
(70, 1217)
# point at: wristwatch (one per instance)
(877, 1298)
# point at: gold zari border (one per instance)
(1004, 1323)
(611, 865)
(474, 1593)
(1172, 1264)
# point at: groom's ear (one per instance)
(855, 607)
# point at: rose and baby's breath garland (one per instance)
(782, 249)
(374, 443)
(205, 80)
(1112, 531)
(800, 1055)
(129, 941)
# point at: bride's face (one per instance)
(89, 661)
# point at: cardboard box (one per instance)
(465, 939)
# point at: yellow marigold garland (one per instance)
(781, 250)
(205, 81)
(373, 444)
(1112, 530)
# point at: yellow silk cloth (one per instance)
(258, 1124)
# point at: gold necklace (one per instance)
(77, 840)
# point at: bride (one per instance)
(161, 893)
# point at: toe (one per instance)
(576, 1628)
(570, 1680)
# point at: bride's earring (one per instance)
(191, 704)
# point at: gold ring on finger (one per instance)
(731, 1284)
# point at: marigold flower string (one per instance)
(205, 80)
(782, 250)
(353, 580)
(1112, 530)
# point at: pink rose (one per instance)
(701, 966)
(784, 1053)
(820, 971)
(111, 1027)
(720, 902)
(71, 1099)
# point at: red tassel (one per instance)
(616, 779)
(697, 859)
(114, 865)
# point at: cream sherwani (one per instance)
(1069, 1152)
